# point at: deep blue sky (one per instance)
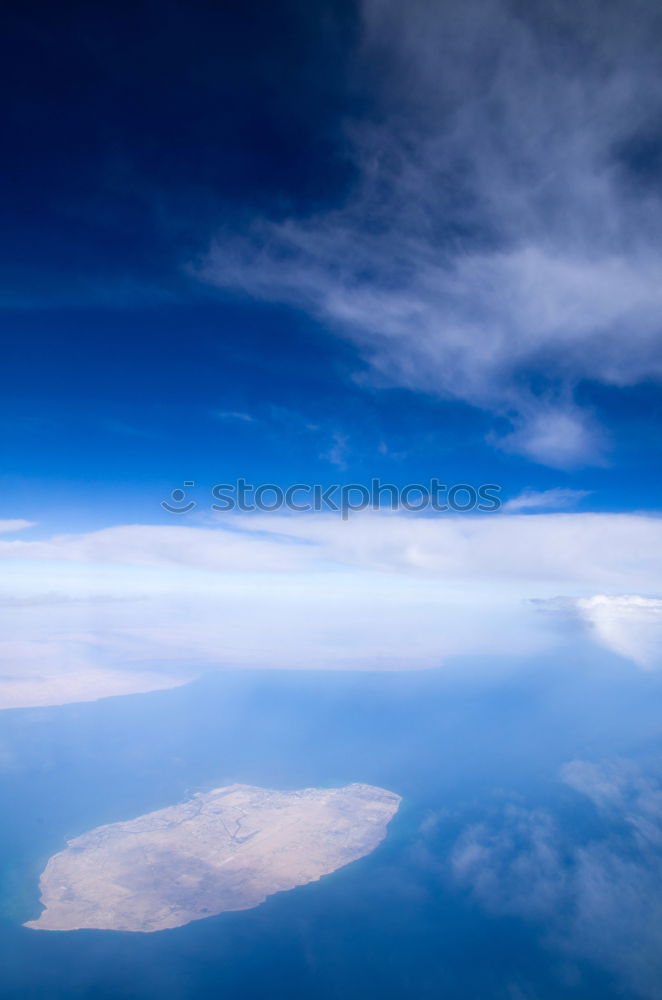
(134, 134)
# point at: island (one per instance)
(226, 849)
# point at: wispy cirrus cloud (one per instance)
(234, 416)
(554, 499)
(338, 451)
(9, 525)
(497, 246)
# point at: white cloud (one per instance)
(553, 499)
(15, 524)
(555, 436)
(337, 453)
(234, 416)
(627, 624)
(544, 550)
(493, 248)
(630, 625)
(516, 868)
(598, 899)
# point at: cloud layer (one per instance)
(383, 590)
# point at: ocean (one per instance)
(394, 925)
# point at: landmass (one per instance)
(43, 688)
(227, 849)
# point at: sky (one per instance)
(323, 244)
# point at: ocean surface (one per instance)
(394, 925)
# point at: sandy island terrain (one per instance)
(227, 849)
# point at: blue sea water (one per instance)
(392, 925)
